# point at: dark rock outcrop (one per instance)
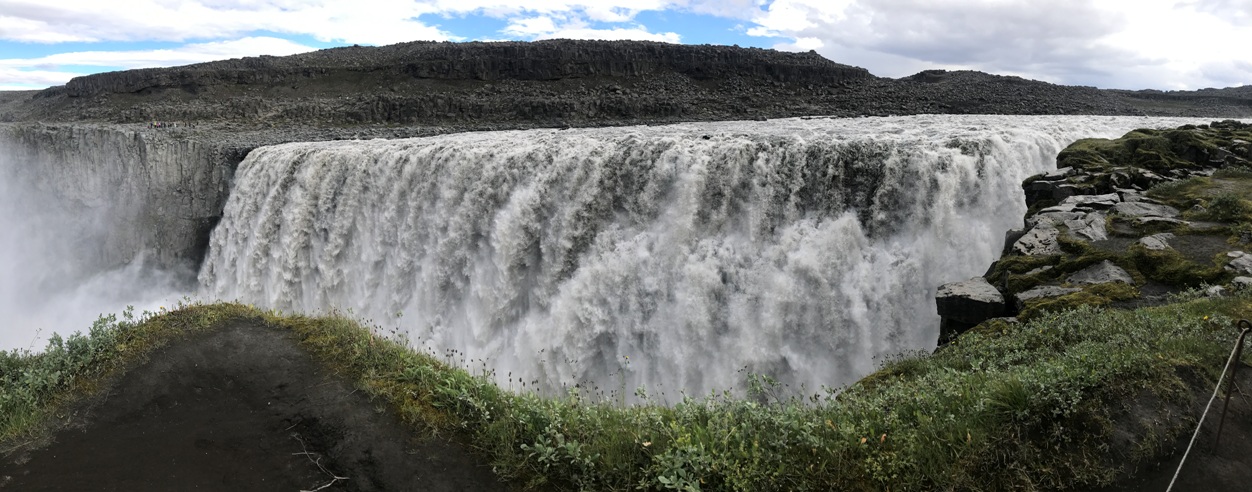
(167, 193)
(1101, 273)
(560, 83)
(1119, 231)
(967, 303)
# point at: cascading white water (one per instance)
(670, 257)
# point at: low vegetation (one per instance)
(1007, 406)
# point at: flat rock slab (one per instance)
(1043, 292)
(1241, 263)
(1040, 240)
(1157, 242)
(1101, 273)
(969, 301)
(1145, 209)
(1093, 201)
(1089, 227)
(1152, 221)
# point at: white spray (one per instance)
(670, 257)
(52, 275)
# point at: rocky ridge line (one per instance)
(483, 86)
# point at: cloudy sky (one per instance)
(1132, 44)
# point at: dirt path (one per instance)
(239, 409)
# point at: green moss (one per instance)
(1017, 268)
(1154, 150)
(1228, 207)
(994, 328)
(1076, 247)
(1234, 172)
(1149, 149)
(1171, 268)
(1241, 233)
(1089, 154)
(1091, 295)
(1019, 264)
(1181, 194)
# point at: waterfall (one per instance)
(677, 258)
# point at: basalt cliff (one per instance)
(490, 85)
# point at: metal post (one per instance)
(1245, 327)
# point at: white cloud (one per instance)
(1233, 11)
(46, 71)
(1108, 43)
(1154, 43)
(358, 21)
(528, 27)
(617, 33)
(576, 27)
(13, 79)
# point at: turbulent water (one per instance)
(678, 258)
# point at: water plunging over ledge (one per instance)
(675, 257)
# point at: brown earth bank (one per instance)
(240, 408)
(487, 85)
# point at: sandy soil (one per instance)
(239, 409)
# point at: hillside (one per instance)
(484, 85)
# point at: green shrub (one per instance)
(1027, 407)
(1228, 207)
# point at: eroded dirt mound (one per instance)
(241, 408)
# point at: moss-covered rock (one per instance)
(1193, 181)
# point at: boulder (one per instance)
(1041, 292)
(1053, 218)
(1131, 195)
(1145, 179)
(1152, 221)
(1065, 190)
(1145, 209)
(1039, 270)
(1040, 240)
(1101, 273)
(1241, 283)
(1046, 189)
(1093, 201)
(1157, 242)
(1089, 227)
(1058, 174)
(1241, 263)
(971, 301)
(1066, 208)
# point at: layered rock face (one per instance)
(128, 193)
(508, 85)
(542, 60)
(545, 83)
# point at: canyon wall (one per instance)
(124, 192)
